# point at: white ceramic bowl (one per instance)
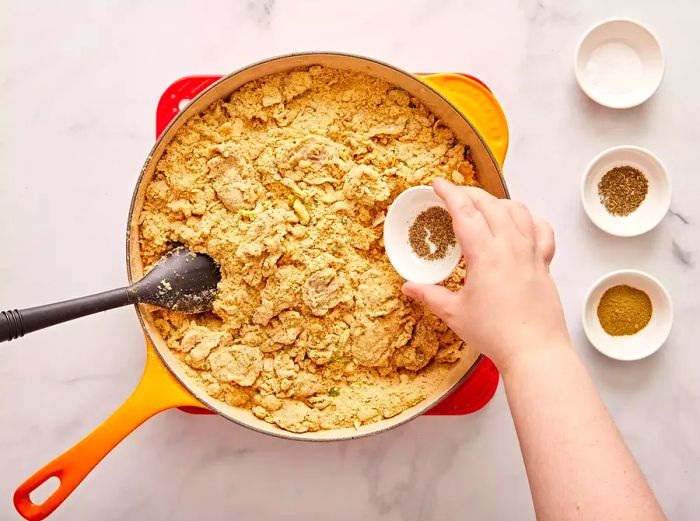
(399, 218)
(652, 209)
(645, 342)
(619, 63)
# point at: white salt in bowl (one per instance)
(401, 214)
(652, 209)
(645, 342)
(619, 63)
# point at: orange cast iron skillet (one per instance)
(164, 384)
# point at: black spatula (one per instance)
(181, 281)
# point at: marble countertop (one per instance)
(77, 98)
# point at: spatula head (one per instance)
(182, 281)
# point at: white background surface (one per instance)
(78, 90)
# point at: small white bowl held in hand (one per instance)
(401, 214)
(652, 209)
(619, 63)
(645, 342)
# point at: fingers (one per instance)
(521, 217)
(470, 226)
(470, 201)
(544, 240)
(496, 213)
(438, 299)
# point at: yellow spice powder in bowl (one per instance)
(624, 310)
(627, 315)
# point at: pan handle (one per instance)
(158, 390)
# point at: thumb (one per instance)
(437, 299)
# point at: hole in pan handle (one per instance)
(158, 390)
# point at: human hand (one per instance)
(509, 304)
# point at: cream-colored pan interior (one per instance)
(487, 166)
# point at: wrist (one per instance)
(536, 358)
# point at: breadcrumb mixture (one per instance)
(286, 185)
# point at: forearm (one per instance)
(577, 464)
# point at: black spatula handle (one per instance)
(16, 323)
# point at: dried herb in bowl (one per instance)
(431, 234)
(623, 189)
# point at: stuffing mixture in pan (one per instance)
(286, 185)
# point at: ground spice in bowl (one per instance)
(623, 189)
(624, 310)
(431, 235)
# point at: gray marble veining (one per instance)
(77, 99)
